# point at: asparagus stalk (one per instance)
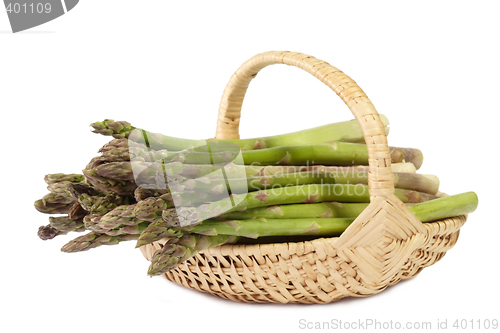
(403, 167)
(417, 182)
(177, 251)
(348, 131)
(261, 227)
(315, 210)
(311, 193)
(92, 240)
(445, 207)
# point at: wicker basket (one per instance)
(384, 245)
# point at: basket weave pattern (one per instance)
(384, 245)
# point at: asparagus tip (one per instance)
(46, 232)
(140, 243)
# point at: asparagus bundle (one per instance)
(241, 221)
(311, 193)
(197, 194)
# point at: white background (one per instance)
(431, 67)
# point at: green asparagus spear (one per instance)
(261, 227)
(92, 240)
(348, 131)
(442, 208)
(333, 153)
(177, 251)
(298, 211)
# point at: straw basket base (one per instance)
(303, 272)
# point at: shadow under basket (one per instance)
(385, 244)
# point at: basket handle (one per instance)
(380, 177)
